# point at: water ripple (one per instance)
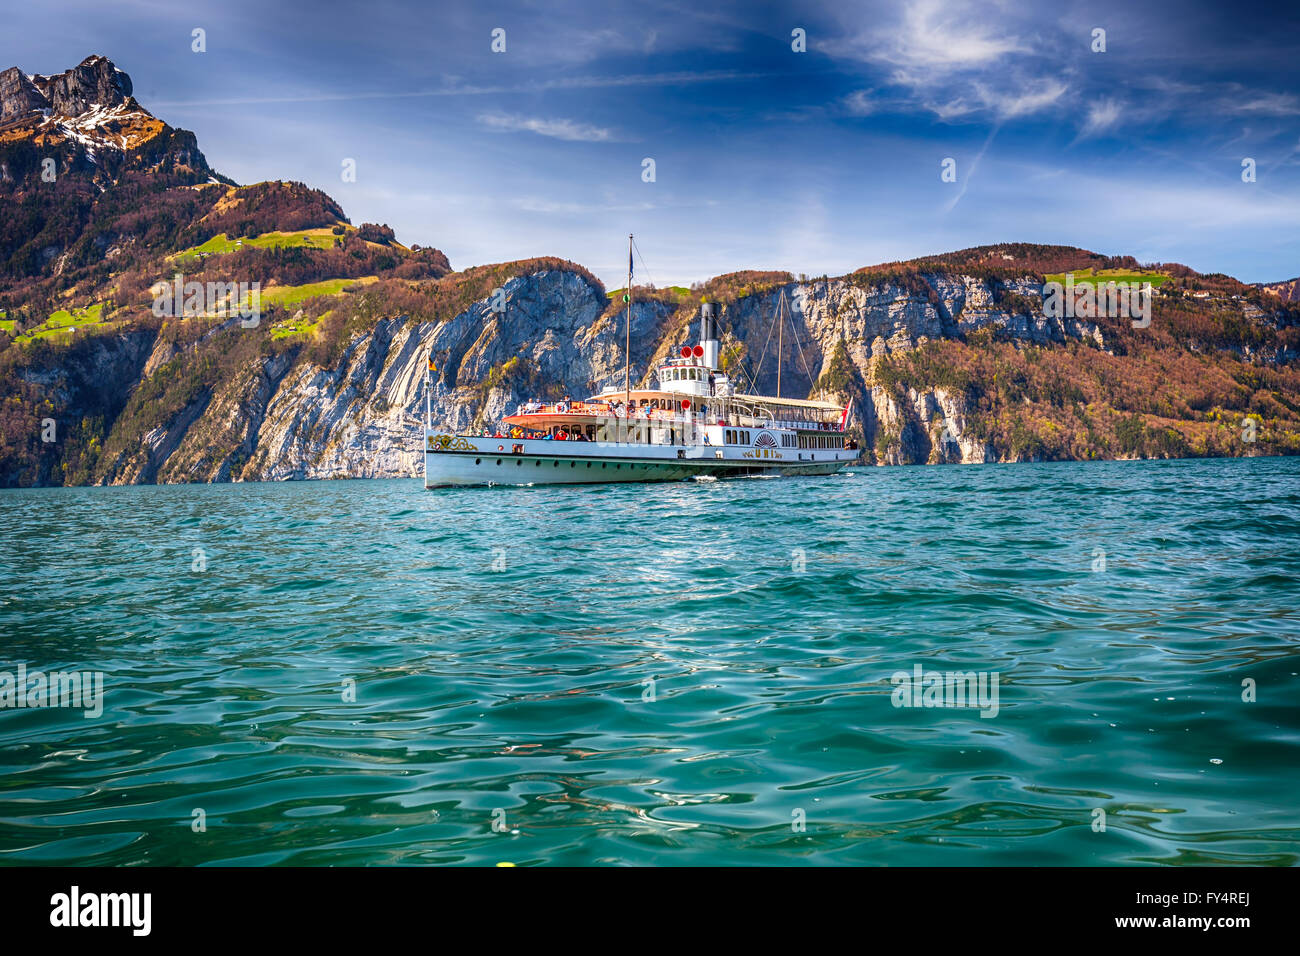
(365, 673)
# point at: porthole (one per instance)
(478, 461)
(498, 461)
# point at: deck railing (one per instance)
(742, 417)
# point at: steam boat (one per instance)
(693, 424)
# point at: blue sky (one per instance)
(765, 158)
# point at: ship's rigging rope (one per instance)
(798, 347)
(743, 374)
(753, 381)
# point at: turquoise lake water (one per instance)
(690, 673)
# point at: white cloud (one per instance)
(859, 103)
(1102, 115)
(556, 128)
(1022, 101)
(1004, 105)
(937, 36)
(1267, 104)
(951, 110)
(954, 59)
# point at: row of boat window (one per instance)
(820, 441)
(684, 375)
(734, 436)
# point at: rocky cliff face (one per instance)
(284, 417)
(873, 321)
(95, 82)
(19, 96)
(882, 318)
(1288, 291)
(234, 405)
(88, 121)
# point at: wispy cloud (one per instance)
(1243, 101)
(1027, 98)
(970, 173)
(1021, 101)
(937, 36)
(677, 78)
(860, 103)
(1102, 115)
(955, 59)
(566, 129)
(950, 110)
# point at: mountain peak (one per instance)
(90, 104)
(94, 82)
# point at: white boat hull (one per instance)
(466, 460)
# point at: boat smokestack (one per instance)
(709, 335)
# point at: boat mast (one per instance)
(627, 345)
(780, 341)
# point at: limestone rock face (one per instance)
(19, 96)
(94, 86)
(95, 81)
(87, 118)
(287, 418)
(363, 418)
(280, 415)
